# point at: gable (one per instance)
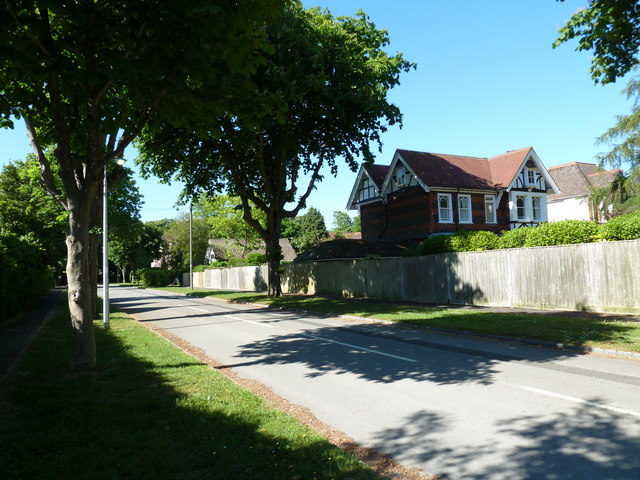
(576, 179)
(367, 186)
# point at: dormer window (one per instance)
(367, 190)
(402, 177)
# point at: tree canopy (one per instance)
(324, 91)
(610, 29)
(86, 77)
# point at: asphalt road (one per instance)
(463, 407)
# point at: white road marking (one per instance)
(199, 309)
(581, 401)
(249, 321)
(360, 348)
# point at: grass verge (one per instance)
(148, 411)
(588, 330)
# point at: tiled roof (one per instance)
(576, 179)
(377, 173)
(221, 246)
(443, 170)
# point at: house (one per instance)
(576, 181)
(223, 249)
(420, 194)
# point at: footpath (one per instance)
(17, 333)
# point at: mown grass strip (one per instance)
(149, 411)
(581, 330)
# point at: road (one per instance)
(463, 407)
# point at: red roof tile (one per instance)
(577, 179)
(443, 170)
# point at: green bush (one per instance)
(436, 244)
(201, 268)
(624, 227)
(236, 262)
(515, 238)
(473, 241)
(564, 232)
(24, 274)
(255, 259)
(152, 277)
(461, 241)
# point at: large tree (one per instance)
(223, 214)
(323, 91)
(86, 77)
(610, 29)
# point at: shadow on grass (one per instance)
(148, 411)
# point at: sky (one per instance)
(487, 81)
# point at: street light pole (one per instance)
(105, 249)
(105, 254)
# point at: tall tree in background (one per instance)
(87, 76)
(311, 230)
(323, 91)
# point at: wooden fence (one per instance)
(603, 277)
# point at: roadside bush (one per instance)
(516, 238)
(24, 274)
(624, 227)
(436, 244)
(153, 277)
(200, 268)
(236, 262)
(473, 241)
(564, 232)
(255, 259)
(461, 241)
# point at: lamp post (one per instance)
(105, 249)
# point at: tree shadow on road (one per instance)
(385, 355)
(583, 442)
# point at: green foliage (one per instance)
(236, 262)
(516, 238)
(624, 227)
(320, 98)
(461, 241)
(436, 244)
(152, 277)
(176, 238)
(255, 259)
(224, 216)
(311, 232)
(24, 273)
(473, 241)
(562, 233)
(610, 29)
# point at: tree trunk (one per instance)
(93, 274)
(80, 290)
(274, 256)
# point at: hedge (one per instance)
(24, 274)
(623, 227)
(152, 277)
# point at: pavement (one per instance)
(17, 333)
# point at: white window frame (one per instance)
(540, 216)
(525, 215)
(531, 174)
(448, 210)
(468, 209)
(492, 200)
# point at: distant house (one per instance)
(576, 181)
(223, 249)
(419, 194)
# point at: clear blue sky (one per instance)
(487, 81)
